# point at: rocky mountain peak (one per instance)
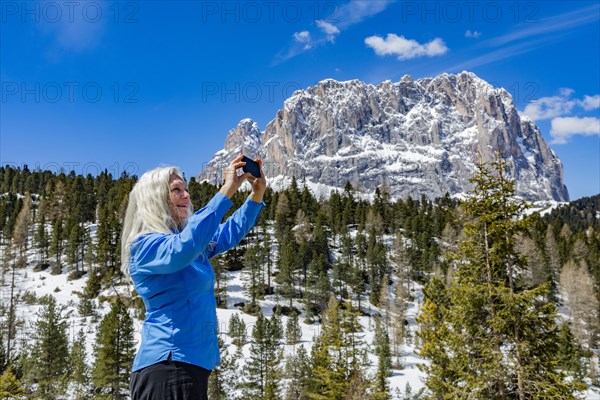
(420, 136)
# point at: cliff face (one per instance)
(419, 136)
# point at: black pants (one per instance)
(170, 380)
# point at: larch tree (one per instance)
(577, 289)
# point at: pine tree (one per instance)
(381, 387)
(56, 245)
(316, 293)
(297, 369)
(293, 332)
(266, 251)
(263, 369)
(219, 267)
(74, 244)
(48, 363)
(570, 353)
(9, 264)
(223, 380)
(288, 265)
(80, 375)
(254, 260)
(3, 359)
(485, 336)
(89, 257)
(237, 330)
(114, 351)
(41, 240)
(337, 356)
(327, 373)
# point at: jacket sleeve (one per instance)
(160, 253)
(232, 231)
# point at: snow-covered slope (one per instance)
(66, 293)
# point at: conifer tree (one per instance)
(263, 369)
(219, 266)
(485, 336)
(337, 356)
(48, 362)
(10, 386)
(267, 257)
(328, 368)
(106, 246)
(223, 380)
(114, 351)
(381, 387)
(41, 240)
(297, 369)
(9, 264)
(254, 260)
(570, 353)
(319, 244)
(316, 293)
(56, 245)
(237, 330)
(80, 374)
(89, 256)
(288, 264)
(293, 332)
(3, 359)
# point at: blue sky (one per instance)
(128, 85)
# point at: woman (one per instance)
(166, 250)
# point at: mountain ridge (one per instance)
(419, 137)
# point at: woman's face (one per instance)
(179, 199)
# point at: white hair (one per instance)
(148, 210)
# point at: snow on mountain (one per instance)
(419, 136)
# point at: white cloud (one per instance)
(549, 107)
(404, 48)
(590, 102)
(565, 91)
(357, 11)
(474, 34)
(329, 29)
(343, 17)
(302, 37)
(556, 106)
(557, 23)
(563, 128)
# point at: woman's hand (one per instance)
(233, 181)
(259, 185)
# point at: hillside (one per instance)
(375, 257)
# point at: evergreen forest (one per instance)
(499, 298)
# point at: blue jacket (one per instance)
(173, 275)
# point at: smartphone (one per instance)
(251, 166)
